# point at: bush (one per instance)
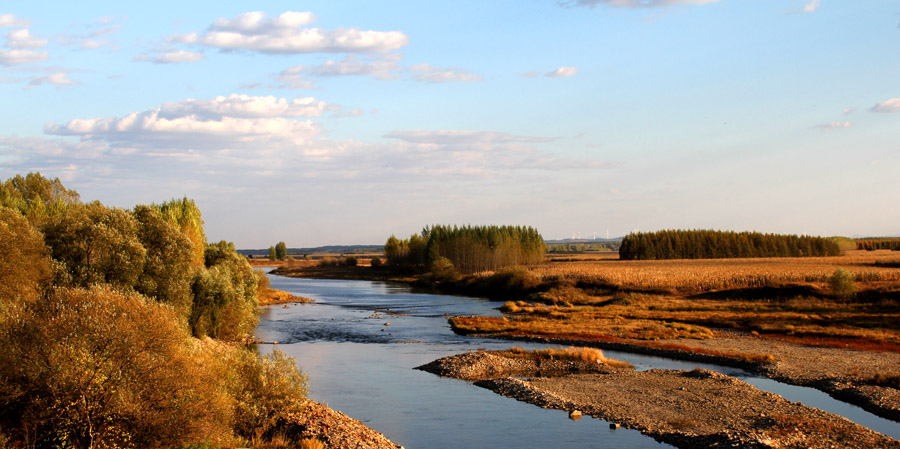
(843, 283)
(350, 261)
(442, 270)
(377, 262)
(267, 390)
(99, 368)
(514, 278)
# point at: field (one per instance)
(791, 299)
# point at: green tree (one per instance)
(185, 215)
(225, 305)
(281, 251)
(96, 245)
(167, 272)
(273, 255)
(36, 197)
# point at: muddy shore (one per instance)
(687, 409)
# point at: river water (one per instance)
(360, 341)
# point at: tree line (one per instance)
(469, 249)
(873, 244)
(118, 323)
(709, 244)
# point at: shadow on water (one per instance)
(360, 340)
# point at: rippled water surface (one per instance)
(360, 340)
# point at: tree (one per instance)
(281, 251)
(25, 261)
(273, 255)
(96, 245)
(167, 272)
(36, 197)
(185, 215)
(225, 305)
(95, 367)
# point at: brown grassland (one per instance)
(605, 299)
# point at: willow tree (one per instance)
(25, 265)
(185, 214)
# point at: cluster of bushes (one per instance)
(106, 317)
(707, 244)
(346, 261)
(892, 244)
(469, 249)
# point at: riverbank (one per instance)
(688, 409)
(335, 429)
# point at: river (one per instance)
(360, 341)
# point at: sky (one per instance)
(339, 122)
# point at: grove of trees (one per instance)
(708, 244)
(125, 328)
(878, 243)
(469, 249)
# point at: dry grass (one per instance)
(683, 299)
(590, 355)
(695, 276)
(311, 443)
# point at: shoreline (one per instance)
(688, 409)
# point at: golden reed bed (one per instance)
(871, 267)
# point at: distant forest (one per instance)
(468, 248)
(871, 244)
(708, 244)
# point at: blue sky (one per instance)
(330, 122)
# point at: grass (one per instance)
(642, 302)
(591, 355)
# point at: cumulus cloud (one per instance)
(285, 34)
(23, 39)
(292, 78)
(10, 21)
(562, 72)
(834, 125)
(236, 122)
(384, 68)
(20, 56)
(639, 3)
(891, 105)
(429, 74)
(171, 57)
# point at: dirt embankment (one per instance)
(336, 430)
(688, 409)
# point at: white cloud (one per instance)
(429, 74)
(383, 68)
(812, 6)
(23, 39)
(171, 57)
(236, 122)
(253, 31)
(891, 105)
(639, 3)
(849, 110)
(10, 21)
(562, 72)
(56, 78)
(19, 56)
(243, 106)
(291, 78)
(460, 137)
(834, 125)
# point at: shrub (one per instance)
(99, 368)
(376, 262)
(514, 278)
(267, 391)
(442, 270)
(350, 261)
(843, 283)
(262, 280)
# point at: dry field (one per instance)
(788, 299)
(705, 275)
